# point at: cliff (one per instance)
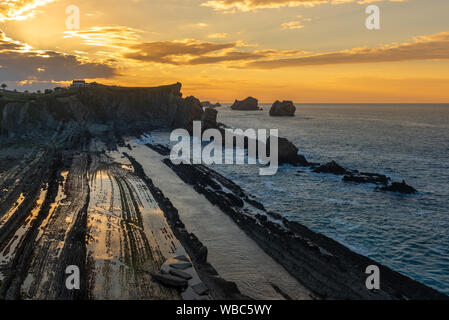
(98, 109)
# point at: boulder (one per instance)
(248, 104)
(331, 167)
(180, 274)
(282, 109)
(182, 258)
(400, 187)
(170, 280)
(181, 265)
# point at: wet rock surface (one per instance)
(219, 287)
(67, 202)
(331, 167)
(180, 274)
(170, 280)
(364, 177)
(355, 176)
(400, 187)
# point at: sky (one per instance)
(308, 51)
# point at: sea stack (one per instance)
(208, 104)
(249, 104)
(283, 109)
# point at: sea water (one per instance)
(408, 233)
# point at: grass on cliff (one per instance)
(16, 96)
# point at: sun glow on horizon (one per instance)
(306, 51)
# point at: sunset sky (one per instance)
(220, 50)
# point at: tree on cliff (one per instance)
(4, 86)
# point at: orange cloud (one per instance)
(194, 52)
(292, 25)
(249, 5)
(432, 47)
(173, 52)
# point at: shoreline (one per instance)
(327, 268)
(72, 201)
(236, 256)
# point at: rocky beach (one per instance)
(81, 183)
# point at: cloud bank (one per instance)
(432, 47)
(20, 62)
(195, 52)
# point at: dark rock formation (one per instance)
(180, 274)
(400, 187)
(283, 109)
(200, 288)
(288, 153)
(327, 268)
(219, 287)
(208, 104)
(248, 104)
(170, 280)
(365, 177)
(331, 167)
(209, 119)
(100, 109)
(181, 266)
(187, 111)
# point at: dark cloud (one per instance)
(19, 62)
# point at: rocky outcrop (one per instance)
(288, 153)
(283, 109)
(208, 104)
(327, 268)
(248, 104)
(220, 288)
(331, 167)
(209, 119)
(365, 177)
(400, 187)
(170, 280)
(100, 107)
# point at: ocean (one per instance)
(408, 233)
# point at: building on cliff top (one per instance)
(79, 83)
